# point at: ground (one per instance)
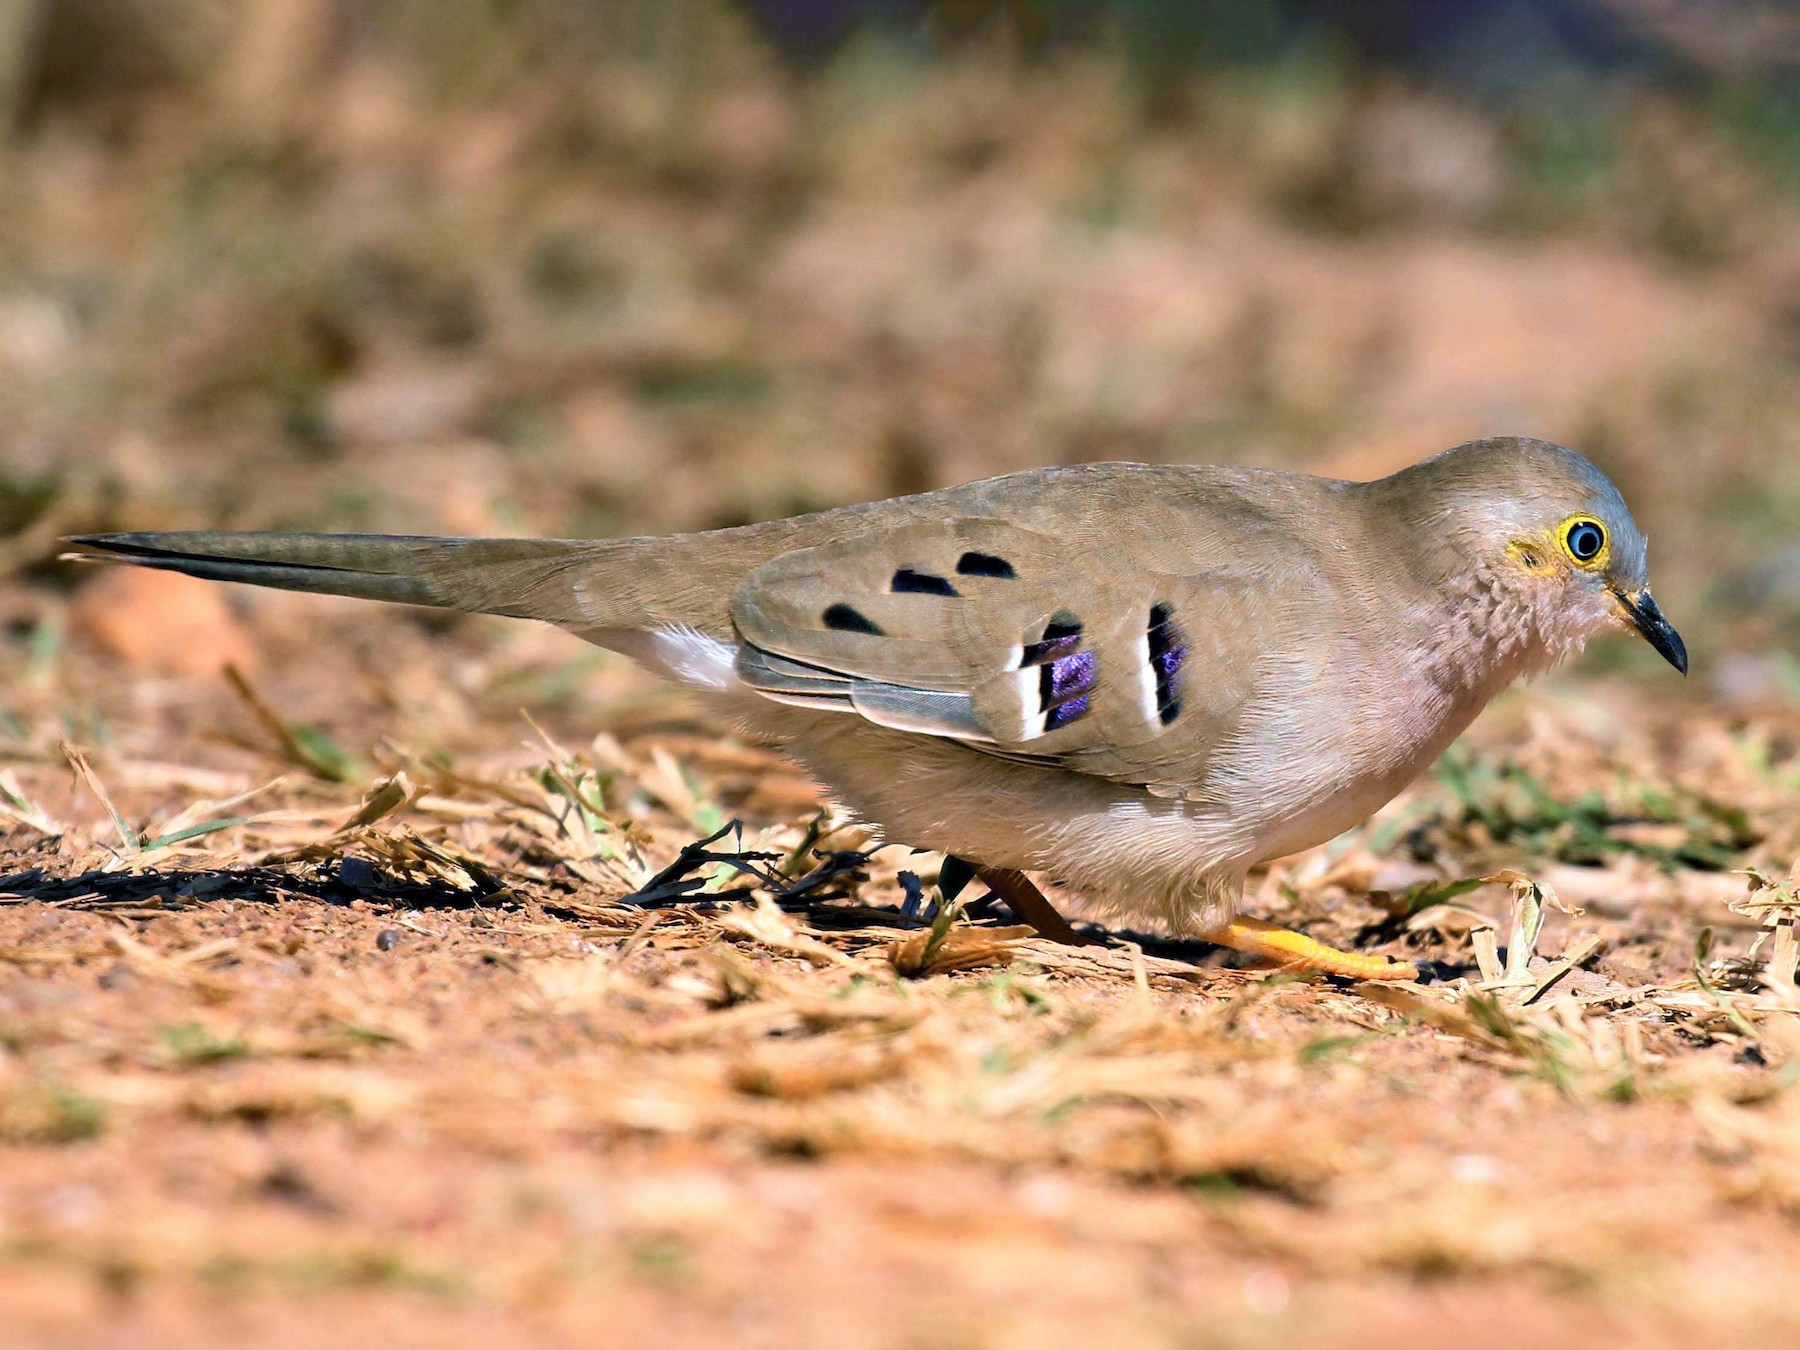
(457, 1063)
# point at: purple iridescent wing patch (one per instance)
(1063, 689)
(1065, 672)
(1168, 649)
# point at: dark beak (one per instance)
(1641, 610)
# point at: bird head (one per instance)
(1547, 522)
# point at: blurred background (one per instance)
(597, 266)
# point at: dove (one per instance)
(1141, 680)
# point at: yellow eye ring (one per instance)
(1585, 542)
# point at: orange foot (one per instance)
(1296, 951)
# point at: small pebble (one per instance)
(387, 939)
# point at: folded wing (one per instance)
(1009, 640)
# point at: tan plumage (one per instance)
(1142, 680)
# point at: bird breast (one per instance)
(1333, 735)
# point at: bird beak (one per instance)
(1642, 614)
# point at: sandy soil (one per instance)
(437, 1078)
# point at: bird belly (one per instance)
(1132, 853)
(1174, 861)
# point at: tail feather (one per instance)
(594, 588)
(525, 578)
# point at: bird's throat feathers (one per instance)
(1502, 624)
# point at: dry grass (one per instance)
(519, 1033)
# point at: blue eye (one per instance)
(1585, 540)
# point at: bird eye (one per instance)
(1585, 540)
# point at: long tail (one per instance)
(587, 586)
(527, 578)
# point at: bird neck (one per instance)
(1500, 625)
(1484, 622)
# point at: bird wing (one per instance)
(1018, 641)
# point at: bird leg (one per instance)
(1023, 898)
(1283, 946)
(1296, 951)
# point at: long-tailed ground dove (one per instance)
(1142, 680)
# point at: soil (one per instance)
(440, 1079)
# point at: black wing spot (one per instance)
(1168, 649)
(847, 620)
(1062, 637)
(974, 564)
(909, 579)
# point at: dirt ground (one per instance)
(384, 993)
(460, 1064)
